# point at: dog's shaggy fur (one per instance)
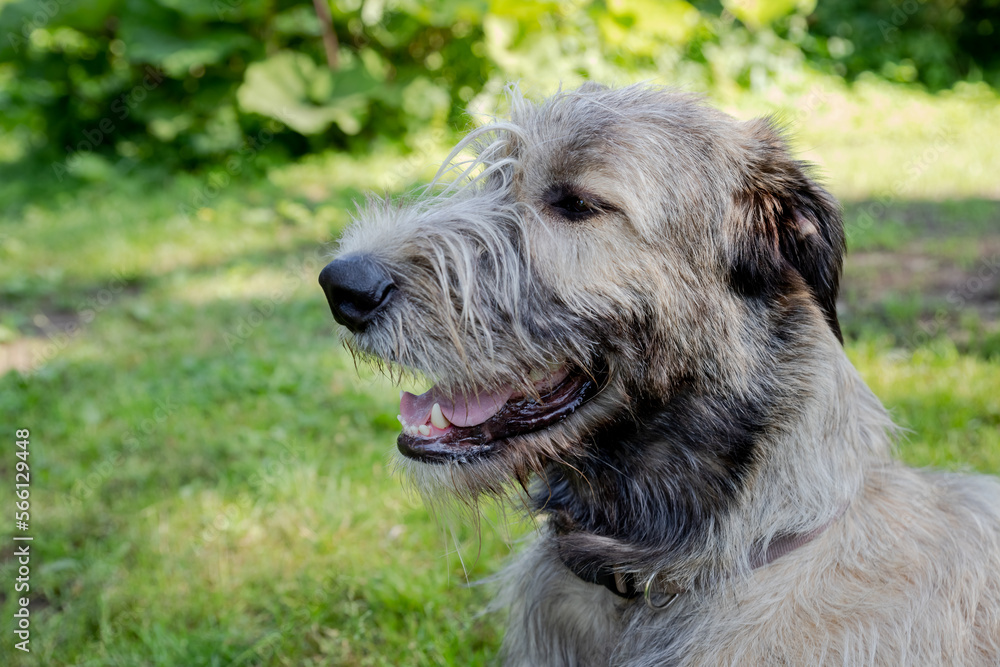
(675, 273)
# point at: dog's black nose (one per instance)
(357, 287)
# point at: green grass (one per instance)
(210, 486)
(210, 476)
(949, 402)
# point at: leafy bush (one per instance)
(185, 82)
(933, 42)
(192, 79)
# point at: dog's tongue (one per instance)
(468, 410)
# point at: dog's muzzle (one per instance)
(357, 288)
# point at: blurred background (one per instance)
(211, 476)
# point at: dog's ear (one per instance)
(783, 220)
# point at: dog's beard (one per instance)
(492, 416)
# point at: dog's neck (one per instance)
(704, 483)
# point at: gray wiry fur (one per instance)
(700, 288)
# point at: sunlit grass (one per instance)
(948, 402)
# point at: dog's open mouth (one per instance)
(438, 427)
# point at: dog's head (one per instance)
(603, 259)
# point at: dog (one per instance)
(626, 301)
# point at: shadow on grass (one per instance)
(925, 271)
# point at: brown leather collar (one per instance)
(625, 585)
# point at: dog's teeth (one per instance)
(438, 418)
(537, 375)
(400, 418)
(424, 429)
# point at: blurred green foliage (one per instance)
(188, 82)
(933, 42)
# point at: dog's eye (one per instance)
(574, 206)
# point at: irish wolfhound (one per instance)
(627, 304)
